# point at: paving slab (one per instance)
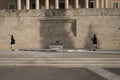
(47, 73)
(105, 73)
(114, 70)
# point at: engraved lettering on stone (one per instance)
(76, 12)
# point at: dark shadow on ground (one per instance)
(88, 42)
(114, 70)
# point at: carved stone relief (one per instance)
(57, 28)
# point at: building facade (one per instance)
(39, 24)
(58, 4)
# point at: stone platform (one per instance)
(86, 65)
(73, 59)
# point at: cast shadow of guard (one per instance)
(55, 29)
(89, 42)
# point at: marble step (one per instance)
(62, 62)
(104, 61)
(61, 65)
(60, 59)
(58, 55)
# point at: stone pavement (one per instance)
(35, 65)
(114, 70)
(104, 73)
(47, 73)
(55, 73)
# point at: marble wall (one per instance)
(74, 28)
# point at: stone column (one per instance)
(86, 3)
(37, 4)
(66, 4)
(19, 4)
(97, 4)
(28, 4)
(56, 4)
(76, 3)
(106, 3)
(47, 4)
(102, 4)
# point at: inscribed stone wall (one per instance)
(74, 28)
